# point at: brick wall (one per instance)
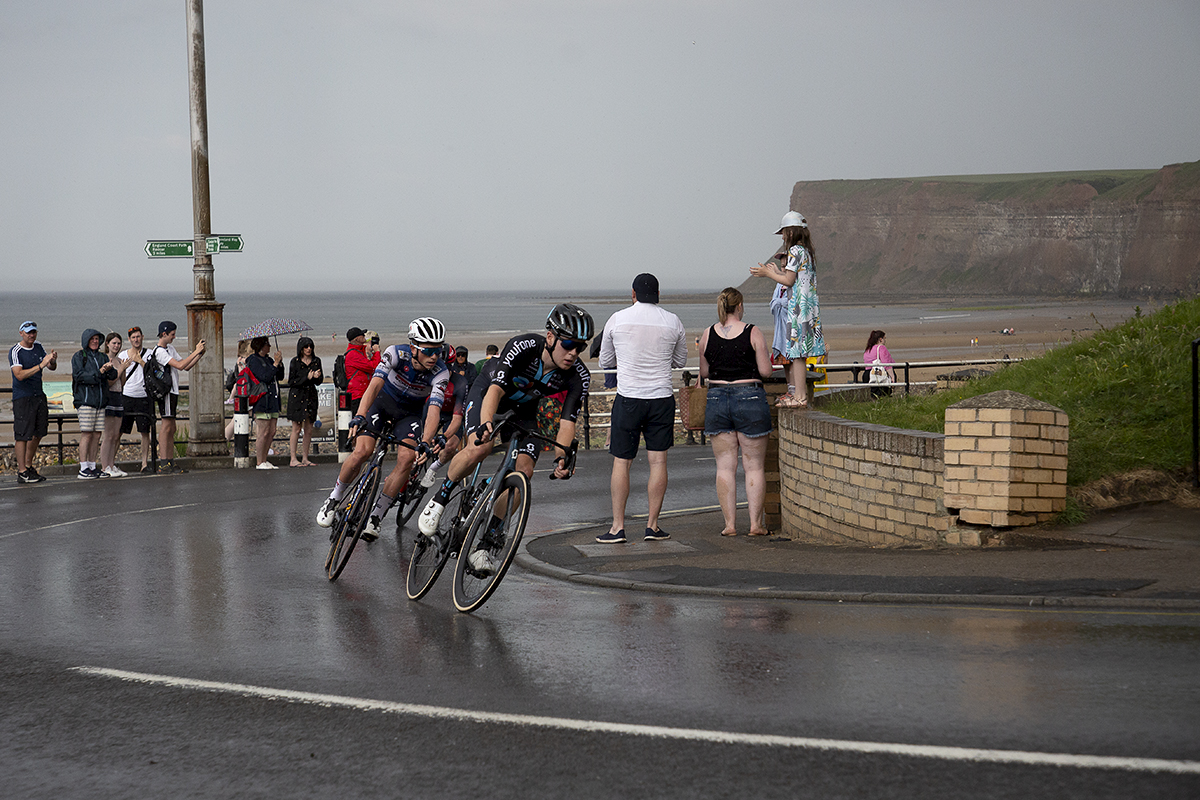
(852, 483)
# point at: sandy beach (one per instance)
(957, 330)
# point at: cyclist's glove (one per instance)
(358, 421)
(423, 449)
(439, 441)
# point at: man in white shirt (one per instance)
(167, 355)
(643, 342)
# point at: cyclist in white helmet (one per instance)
(404, 396)
(530, 367)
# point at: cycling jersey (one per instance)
(455, 397)
(408, 386)
(520, 371)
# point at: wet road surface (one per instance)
(216, 576)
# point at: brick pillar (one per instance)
(1006, 460)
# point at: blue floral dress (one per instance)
(804, 309)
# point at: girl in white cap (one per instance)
(804, 339)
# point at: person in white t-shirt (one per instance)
(643, 342)
(135, 405)
(166, 354)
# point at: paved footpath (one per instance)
(1146, 557)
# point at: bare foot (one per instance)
(295, 464)
(729, 532)
(760, 532)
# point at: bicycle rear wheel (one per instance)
(495, 529)
(430, 553)
(350, 519)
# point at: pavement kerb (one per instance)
(537, 566)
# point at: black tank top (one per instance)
(731, 359)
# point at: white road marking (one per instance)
(93, 519)
(660, 732)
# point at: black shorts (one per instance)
(525, 413)
(386, 416)
(168, 406)
(31, 417)
(633, 418)
(136, 409)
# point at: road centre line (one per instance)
(102, 516)
(943, 753)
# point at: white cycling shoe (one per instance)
(429, 478)
(482, 562)
(431, 515)
(326, 514)
(371, 530)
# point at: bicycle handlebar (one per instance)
(506, 420)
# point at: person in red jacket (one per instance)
(362, 357)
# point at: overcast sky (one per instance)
(542, 143)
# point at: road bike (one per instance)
(354, 509)
(483, 515)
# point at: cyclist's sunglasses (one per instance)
(430, 351)
(578, 345)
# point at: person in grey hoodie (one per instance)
(90, 373)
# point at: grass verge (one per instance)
(1127, 392)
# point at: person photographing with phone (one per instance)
(166, 354)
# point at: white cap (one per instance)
(792, 219)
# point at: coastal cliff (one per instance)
(1085, 234)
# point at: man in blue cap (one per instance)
(31, 412)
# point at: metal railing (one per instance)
(817, 372)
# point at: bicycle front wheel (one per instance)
(430, 553)
(350, 519)
(411, 499)
(493, 533)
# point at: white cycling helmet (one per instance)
(792, 219)
(427, 330)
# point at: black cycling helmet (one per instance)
(569, 321)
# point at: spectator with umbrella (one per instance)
(268, 371)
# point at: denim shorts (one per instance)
(738, 408)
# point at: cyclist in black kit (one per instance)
(529, 368)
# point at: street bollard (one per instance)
(241, 432)
(343, 426)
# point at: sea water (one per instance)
(63, 316)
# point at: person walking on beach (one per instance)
(643, 342)
(89, 390)
(734, 359)
(804, 338)
(304, 375)
(136, 408)
(113, 410)
(168, 356)
(31, 411)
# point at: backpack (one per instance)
(340, 379)
(249, 387)
(156, 378)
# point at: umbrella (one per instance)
(274, 327)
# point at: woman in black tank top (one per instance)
(734, 358)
